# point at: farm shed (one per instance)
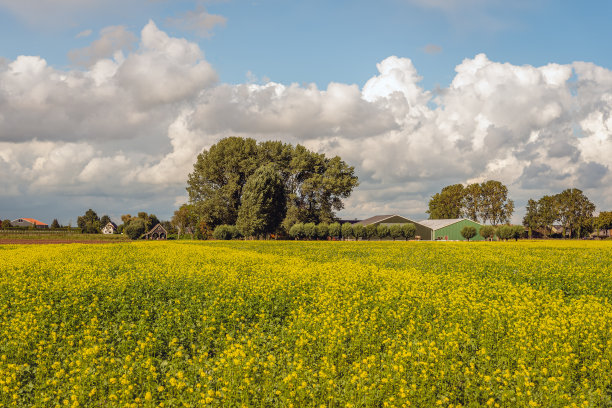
(421, 230)
(157, 232)
(451, 229)
(28, 222)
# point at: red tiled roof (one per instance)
(33, 221)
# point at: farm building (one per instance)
(421, 231)
(28, 222)
(109, 228)
(451, 229)
(157, 232)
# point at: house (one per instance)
(451, 229)
(109, 228)
(421, 231)
(28, 222)
(157, 232)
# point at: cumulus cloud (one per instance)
(131, 124)
(199, 21)
(112, 39)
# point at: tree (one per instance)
(225, 232)
(315, 185)
(184, 219)
(310, 230)
(6, 224)
(487, 232)
(468, 232)
(263, 204)
(323, 230)
(531, 220)
(548, 213)
(408, 230)
(104, 220)
(395, 231)
(472, 201)
(495, 206)
(504, 232)
(448, 203)
(297, 231)
(347, 230)
(382, 231)
(370, 231)
(518, 231)
(89, 223)
(602, 222)
(575, 211)
(135, 228)
(335, 230)
(55, 224)
(358, 231)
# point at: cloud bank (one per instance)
(122, 134)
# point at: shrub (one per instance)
(468, 232)
(334, 230)
(408, 231)
(226, 232)
(382, 231)
(323, 230)
(135, 228)
(297, 231)
(358, 231)
(395, 231)
(504, 232)
(310, 230)
(487, 232)
(370, 231)
(347, 230)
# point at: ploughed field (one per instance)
(334, 324)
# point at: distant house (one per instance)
(157, 232)
(109, 228)
(422, 232)
(451, 229)
(28, 222)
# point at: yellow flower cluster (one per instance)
(306, 324)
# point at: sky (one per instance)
(105, 104)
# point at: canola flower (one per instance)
(306, 324)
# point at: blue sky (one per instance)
(504, 78)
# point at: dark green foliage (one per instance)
(504, 232)
(314, 184)
(518, 231)
(135, 228)
(335, 230)
(408, 231)
(54, 225)
(448, 203)
(468, 232)
(371, 231)
(226, 232)
(395, 231)
(310, 230)
(323, 230)
(6, 224)
(487, 232)
(104, 220)
(382, 231)
(89, 223)
(347, 230)
(297, 231)
(358, 231)
(263, 204)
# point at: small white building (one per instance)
(109, 228)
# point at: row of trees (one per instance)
(262, 188)
(571, 209)
(481, 202)
(132, 226)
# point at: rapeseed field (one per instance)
(306, 324)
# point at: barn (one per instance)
(421, 231)
(28, 222)
(451, 229)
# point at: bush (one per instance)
(395, 231)
(487, 232)
(225, 232)
(310, 230)
(370, 231)
(358, 231)
(468, 232)
(504, 232)
(334, 230)
(347, 230)
(135, 228)
(518, 231)
(323, 230)
(382, 231)
(297, 231)
(408, 231)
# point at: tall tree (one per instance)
(184, 220)
(472, 201)
(448, 203)
(55, 224)
(548, 213)
(263, 204)
(89, 223)
(495, 207)
(575, 211)
(315, 185)
(531, 220)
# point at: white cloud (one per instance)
(127, 129)
(199, 21)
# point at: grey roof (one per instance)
(437, 224)
(380, 218)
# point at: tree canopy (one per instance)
(314, 185)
